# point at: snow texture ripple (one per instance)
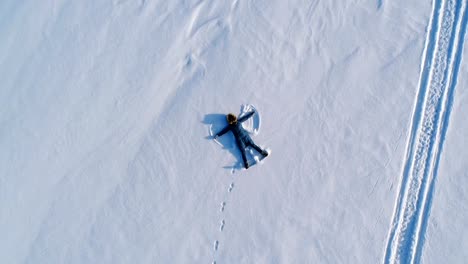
(439, 71)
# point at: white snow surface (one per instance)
(107, 106)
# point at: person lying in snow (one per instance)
(242, 137)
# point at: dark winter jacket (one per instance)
(241, 135)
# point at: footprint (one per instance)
(231, 187)
(216, 244)
(222, 226)
(222, 206)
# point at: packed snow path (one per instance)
(439, 71)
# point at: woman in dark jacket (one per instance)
(242, 137)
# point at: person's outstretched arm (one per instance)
(222, 132)
(246, 116)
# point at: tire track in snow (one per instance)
(440, 67)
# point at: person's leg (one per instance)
(244, 157)
(241, 147)
(258, 149)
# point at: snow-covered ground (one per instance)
(107, 108)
